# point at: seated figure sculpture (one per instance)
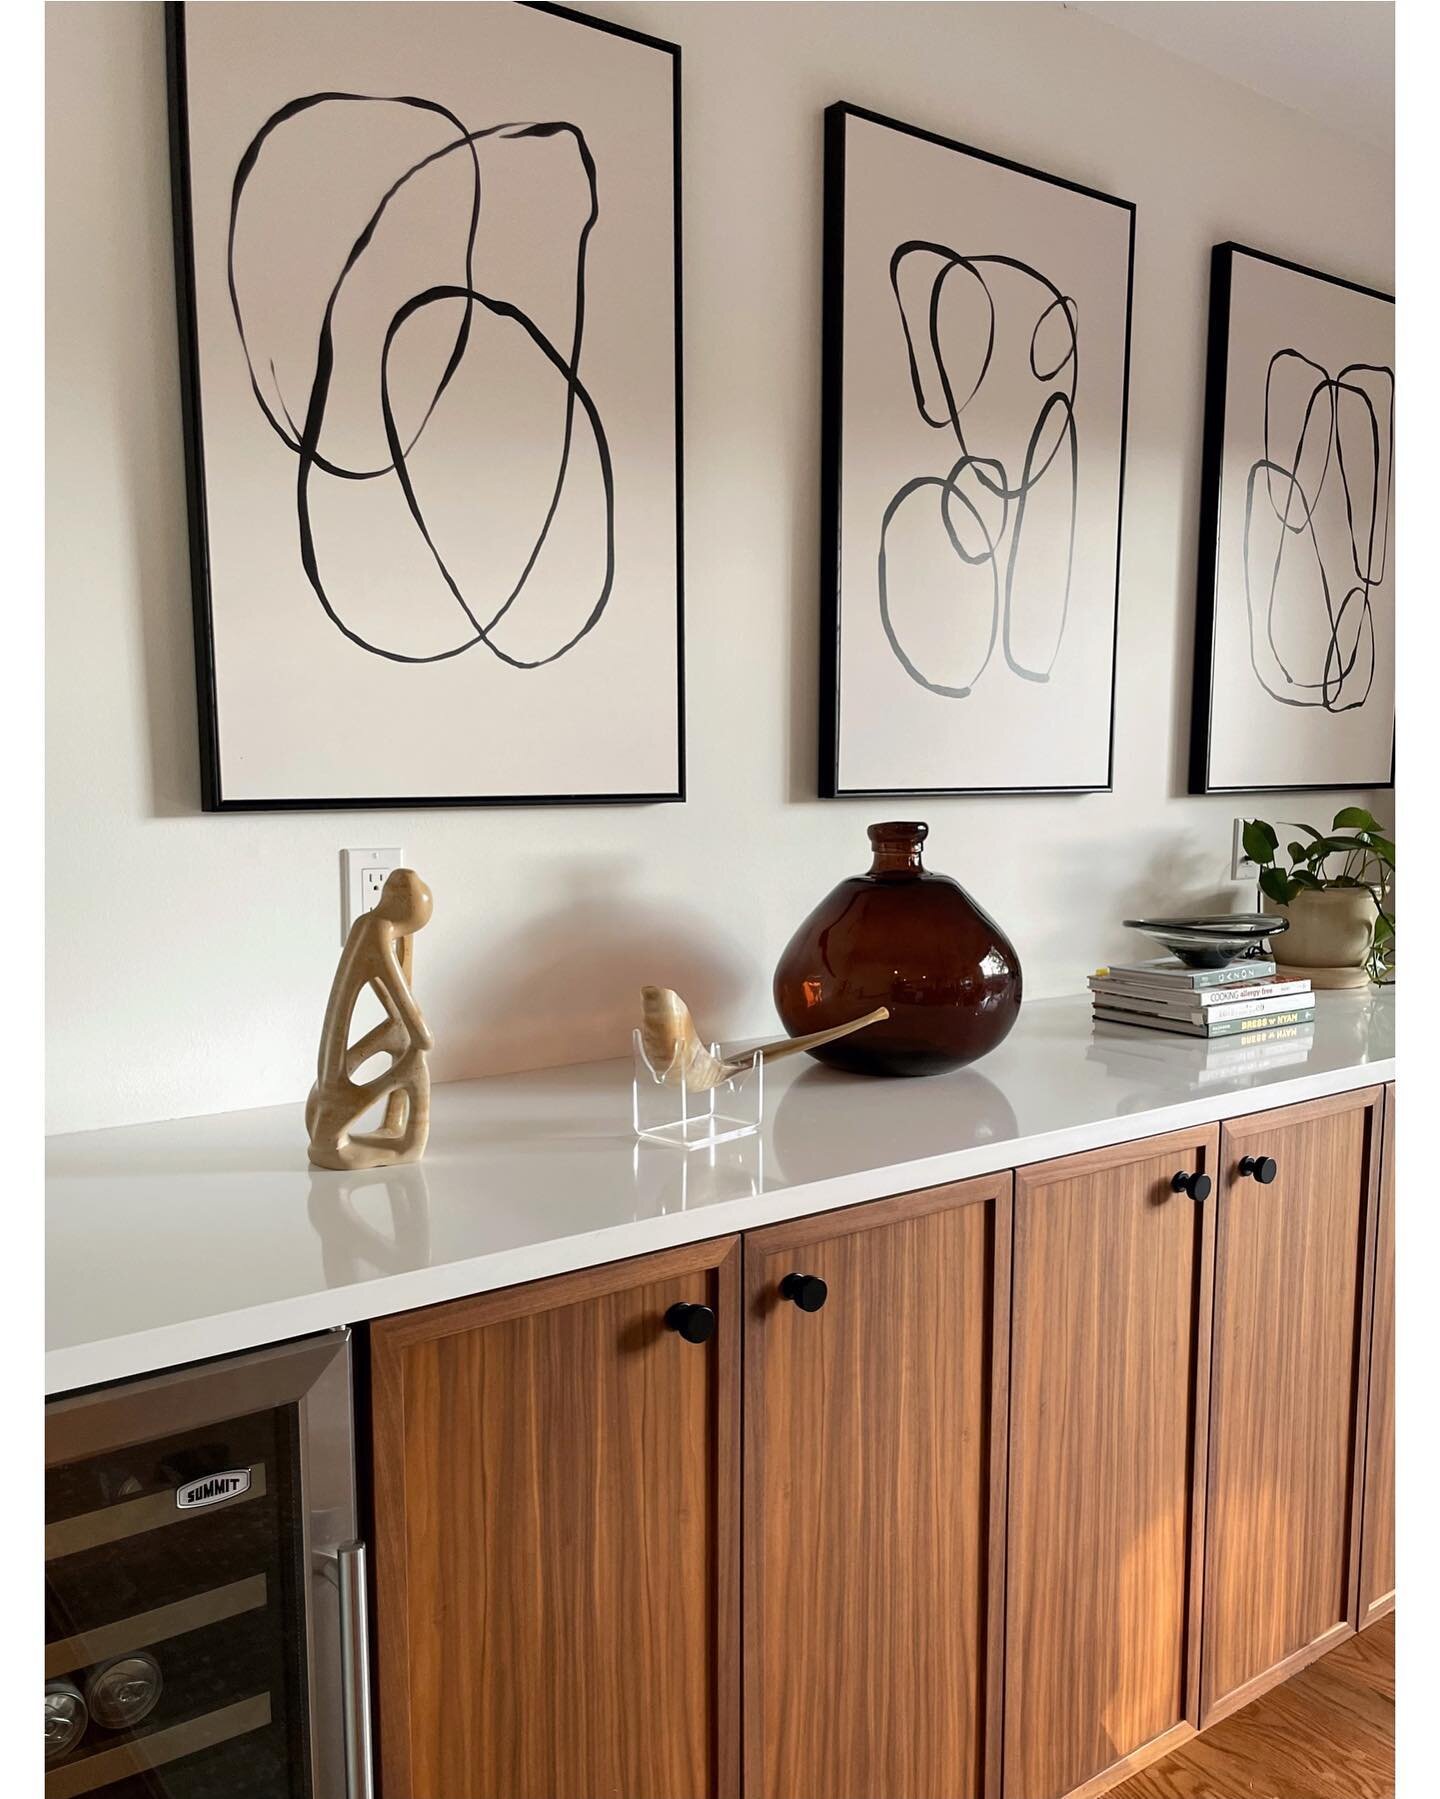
(379, 954)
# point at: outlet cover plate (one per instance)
(363, 874)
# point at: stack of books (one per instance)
(1240, 1000)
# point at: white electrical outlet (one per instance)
(363, 874)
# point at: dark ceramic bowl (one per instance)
(1212, 942)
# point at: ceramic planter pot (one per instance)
(1329, 935)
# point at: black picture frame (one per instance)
(1217, 359)
(212, 797)
(831, 449)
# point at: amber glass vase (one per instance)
(916, 942)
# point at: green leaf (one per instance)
(1353, 818)
(1340, 846)
(1275, 884)
(1259, 841)
(1384, 928)
(1301, 878)
(1384, 850)
(1309, 830)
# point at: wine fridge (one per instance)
(205, 1595)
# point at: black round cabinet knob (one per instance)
(696, 1324)
(1196, 1185)
(1259, 1168)
(807, 1291)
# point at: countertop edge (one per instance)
(192, 1340)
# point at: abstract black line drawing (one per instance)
(429, 289)
(1294, 665)
(1347, 638)
(304, 440)
(1052, 435)
(974, 401)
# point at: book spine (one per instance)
(1182, 999)
(1193, 978)
(1223, 996)
(1223, 977)
(1230, 1027)
(1239, 1027)
(1148, 1021)
(1258, 1008)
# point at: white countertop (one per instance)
(170, 1242)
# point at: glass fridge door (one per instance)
(192, 1632)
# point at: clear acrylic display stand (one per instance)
(665, 1113)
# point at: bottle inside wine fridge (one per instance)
(205, 1618)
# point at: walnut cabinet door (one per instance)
(875, 1351)
(1289, 1390)
(1109, 1383)
(556, 1491)
(1040, 1474)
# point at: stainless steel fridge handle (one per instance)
(346, 1566)
(355, 1670)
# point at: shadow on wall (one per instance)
(1179, 877)
(1179, 880)
(1179, 874)
(145, 423)
(566, 987)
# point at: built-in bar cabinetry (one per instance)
(993, 1491)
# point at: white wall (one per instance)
(189, 956)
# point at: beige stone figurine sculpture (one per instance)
(379, 954)
(676, 1052)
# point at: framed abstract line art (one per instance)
(976, 377)
(1295, 639)
(429, 286)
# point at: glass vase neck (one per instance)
(897, 848)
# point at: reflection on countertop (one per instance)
(370, 1221)
(173, 1241)
(975, 1113)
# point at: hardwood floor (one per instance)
(1329, 1733)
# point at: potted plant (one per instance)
(1335, 892)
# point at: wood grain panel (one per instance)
(1377, 1538)
(1288, 1393)
(874, 1482)
(557, 1539)
(1109, 1351)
